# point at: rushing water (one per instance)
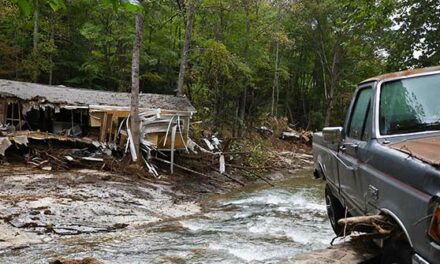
(258, 224)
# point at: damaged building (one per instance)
(101, 118)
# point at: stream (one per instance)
(256, 224)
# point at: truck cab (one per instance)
(385, 160)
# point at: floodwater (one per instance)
(257, 224)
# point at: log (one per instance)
(357, 220)
(248, 168)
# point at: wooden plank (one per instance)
(19, 116)
(95, 119)
(109, 129)
(178, 144)
(103, 130)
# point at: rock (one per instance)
(106, 178)
(120, 225)
(47, 168)
(76, 261)
(276, 175)
(46, 239)
(48, 212)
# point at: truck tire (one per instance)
(399, 252)
(335, 211)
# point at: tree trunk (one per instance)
(35, 25)
(52, 42)
(275, 82)
(134, 107)
(276, 79)
(334, 79)
(244, 99)
(35, 36)
(329, 110)
(186, 45)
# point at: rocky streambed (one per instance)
(118, 219)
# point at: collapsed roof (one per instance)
(85, 97)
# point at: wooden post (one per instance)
(173, 143)
(2, 112)
(103, 130)
(19, 115)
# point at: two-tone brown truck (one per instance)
(385, 161)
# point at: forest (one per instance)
(248, 61)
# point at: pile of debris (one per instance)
(64, 159)
(297, 136)
(291, 161)
(301, 136)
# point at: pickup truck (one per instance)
(385, 160)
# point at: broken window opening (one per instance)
(68, 122)
(13, 115)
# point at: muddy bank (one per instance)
(344, 253)
(285, 164)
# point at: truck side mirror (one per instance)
(333, 134)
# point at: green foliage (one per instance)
(321, 45)
(258, 148)
(414, 40)
(26, 6)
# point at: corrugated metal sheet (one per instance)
(425, 149)
(75, 96)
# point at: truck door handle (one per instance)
(354, 145)
(343, 147)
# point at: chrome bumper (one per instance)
(418, 259)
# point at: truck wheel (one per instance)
(335, 211)
(399, 252)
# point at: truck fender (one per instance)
(387, 212)
(319, 172)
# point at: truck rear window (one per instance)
(410, 105)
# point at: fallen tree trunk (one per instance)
(356, 220)
(378, 222)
